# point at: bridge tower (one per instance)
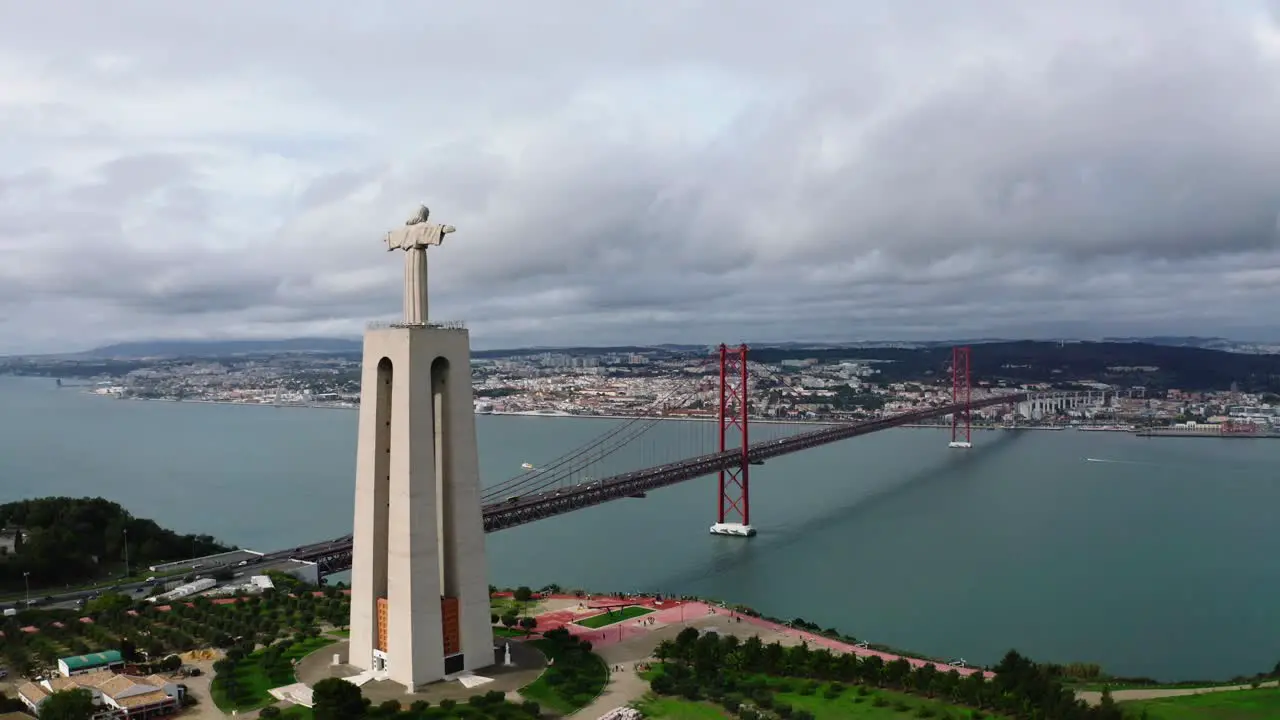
(734, 515)
(961, 388)
(420, 593)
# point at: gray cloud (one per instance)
(631, 172)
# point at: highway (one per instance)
(202, 567)
(528, 508)
(335, 555)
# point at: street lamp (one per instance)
(126, 552)
(26, 580)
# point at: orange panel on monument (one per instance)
(449, 625)
(382, 624)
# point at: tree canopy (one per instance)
(72, 540)
(76, 704)
(337, 699)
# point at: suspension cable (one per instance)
(556, 467)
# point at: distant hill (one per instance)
(347, 346)
(1205, 343)
(1121, 363)
(586, 350)
(209, 348)
(222, 348)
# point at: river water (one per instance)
(1157, 557)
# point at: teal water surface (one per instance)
(1158, 561)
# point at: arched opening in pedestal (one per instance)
(382, 505)
(442, 414)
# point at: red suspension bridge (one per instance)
(595, 473)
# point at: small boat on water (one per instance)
(527, 466)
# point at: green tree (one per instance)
(11, 705)
(523, 594)
(1107, 707)
(109, 602)
(74, 704)
(337, 699)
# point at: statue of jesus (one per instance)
(414, 238)
(418, 233)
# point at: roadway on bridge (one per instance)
(334, 555)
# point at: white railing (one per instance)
(444, 325)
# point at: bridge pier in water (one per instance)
(733, 517)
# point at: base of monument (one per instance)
(734, 529)
(961, 444)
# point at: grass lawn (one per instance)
(595, 622)
(566, 686)
(506, 632)
(255, 681)
(296, 712)
(502, 606)
(849, 705)
(343, 633)
(1260, 704)
(666, 708)
(876, 704)
(1114, 686)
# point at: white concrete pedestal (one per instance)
(734, 529)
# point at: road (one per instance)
(139, 589)
(1094, 697)
(546, 500)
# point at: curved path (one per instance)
(1093, 697)
(627, 643)
(675, 612)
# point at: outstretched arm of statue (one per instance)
(421, 235)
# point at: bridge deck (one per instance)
(335, 555)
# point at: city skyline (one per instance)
(642, 176)
(215, 346)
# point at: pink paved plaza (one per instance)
(673, 612)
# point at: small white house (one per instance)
(11, 540)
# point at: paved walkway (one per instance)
(1093, 697)
(317, 666)
(686, 612)
(627, 643)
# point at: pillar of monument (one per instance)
(415, 284)
(419, 577)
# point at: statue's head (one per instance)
(419, 216)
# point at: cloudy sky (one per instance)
(673, 171)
